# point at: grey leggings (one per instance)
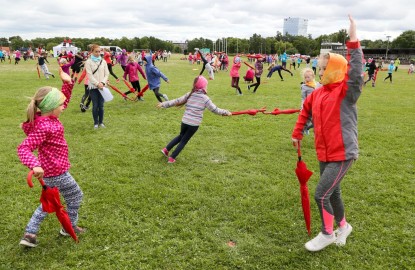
(328, 194)
(72, 194)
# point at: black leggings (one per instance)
(235, 84)
(389, 77)
(111, 72)
(158, 94)
(136, 86)
(186, 133)
(86, 98)
(371, 77)
(258, 82)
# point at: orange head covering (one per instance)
(335, 70)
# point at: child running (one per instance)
(259, 68)
(391, 68)
(153, 78)
(196, 101)
(333, 107)
(42, 60)
(235, 74)
(131, 70)
(45, 133)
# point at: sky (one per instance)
(180, 20)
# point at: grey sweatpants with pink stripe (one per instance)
(328, 194)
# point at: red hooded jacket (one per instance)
(333, 107)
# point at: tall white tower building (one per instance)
(295, 26)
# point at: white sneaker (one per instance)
(95, 126)
(320, 241)
(342, 234)
(165, 97)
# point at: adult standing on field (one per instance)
(334, 112)
(97, 72)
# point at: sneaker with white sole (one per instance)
(342, 234)
(165, 97)
(29, 240)
(171, 160)
(77, 229)
(165, 152)
(320, 241)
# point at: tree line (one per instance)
(255, 44)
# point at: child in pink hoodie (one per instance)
(131, 70)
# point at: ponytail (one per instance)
(33, 108)
(31, 111)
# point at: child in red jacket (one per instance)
(333, 108)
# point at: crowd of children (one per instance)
(327, 104)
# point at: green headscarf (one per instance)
(51, 101)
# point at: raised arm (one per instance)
(355, 62)
(352, 29)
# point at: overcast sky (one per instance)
(178, 20)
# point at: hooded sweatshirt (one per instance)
(153, 74)
(46, 134)
(333, 107)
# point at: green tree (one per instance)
(405, 41)
(16, 42)
(4, 42)
(304, 45)
(255, 44)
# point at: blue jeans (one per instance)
(97, 106)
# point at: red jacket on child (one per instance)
(333, 107)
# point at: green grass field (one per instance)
(235, 181)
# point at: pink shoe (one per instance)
(165, 152)
(171, 160)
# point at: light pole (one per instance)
(387, 47)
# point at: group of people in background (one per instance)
(329, 104)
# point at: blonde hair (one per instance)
(307, 70)
(130, 58)
(323, 60)
(32, 108)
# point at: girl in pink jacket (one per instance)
(235, 74)
(131, 70)
(45, 133)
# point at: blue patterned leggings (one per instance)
(72, 194)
